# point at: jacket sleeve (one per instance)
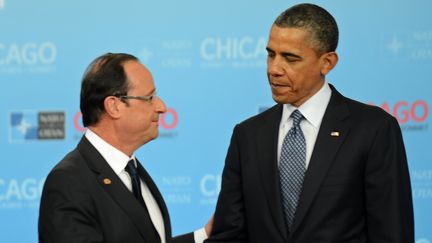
(186, 238)
(388, 190)
(65, 212)
(229, 220)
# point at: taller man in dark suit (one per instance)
(100, 193)
(317, 167)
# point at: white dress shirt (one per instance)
(118, 161)
(313, 111)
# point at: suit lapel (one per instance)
(112, 184)
(158, 197)
(325, 150)
(267, 140)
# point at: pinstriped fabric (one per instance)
(292, 167)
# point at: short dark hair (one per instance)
(320, 24)
(104, 76)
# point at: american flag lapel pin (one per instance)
(334, 134)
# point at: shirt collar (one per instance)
(313, 109)
(114, 157)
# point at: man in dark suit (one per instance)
(316, 167)
(100, 192)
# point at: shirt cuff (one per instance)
(200, 235)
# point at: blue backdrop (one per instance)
(208, 59)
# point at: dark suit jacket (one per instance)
(356, 187)
(78, 205)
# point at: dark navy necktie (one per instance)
(136, 189)
(136, 182)
(292, 167)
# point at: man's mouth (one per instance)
(275, 84)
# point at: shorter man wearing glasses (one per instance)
(100, 192)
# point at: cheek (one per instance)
(142, 118)
(308, 75)
(296, 78)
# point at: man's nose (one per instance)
(274, 67)
(160, 106)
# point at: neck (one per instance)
(114, 140)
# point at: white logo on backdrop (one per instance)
(422, 183)
(20, 193)
(415, 45)
(395, 46)
(176, 53)
(210, 186)
(177, 189)
(235, 52)
(171, 53)
(27, 57)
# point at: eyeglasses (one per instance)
(147, 98)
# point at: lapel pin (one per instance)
(107, 181)
(334, 134)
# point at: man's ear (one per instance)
(328, 62)
(112, 107)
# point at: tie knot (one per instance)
(297, 117)
(130, 168)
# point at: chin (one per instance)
(151, 137)
(155, 135)
(280, 99)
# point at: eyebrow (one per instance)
(285, 54)
(151, 92)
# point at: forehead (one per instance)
(138, 75)
(293, 39)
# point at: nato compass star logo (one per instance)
(32, 125)
(23, 126)
(395, 46)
